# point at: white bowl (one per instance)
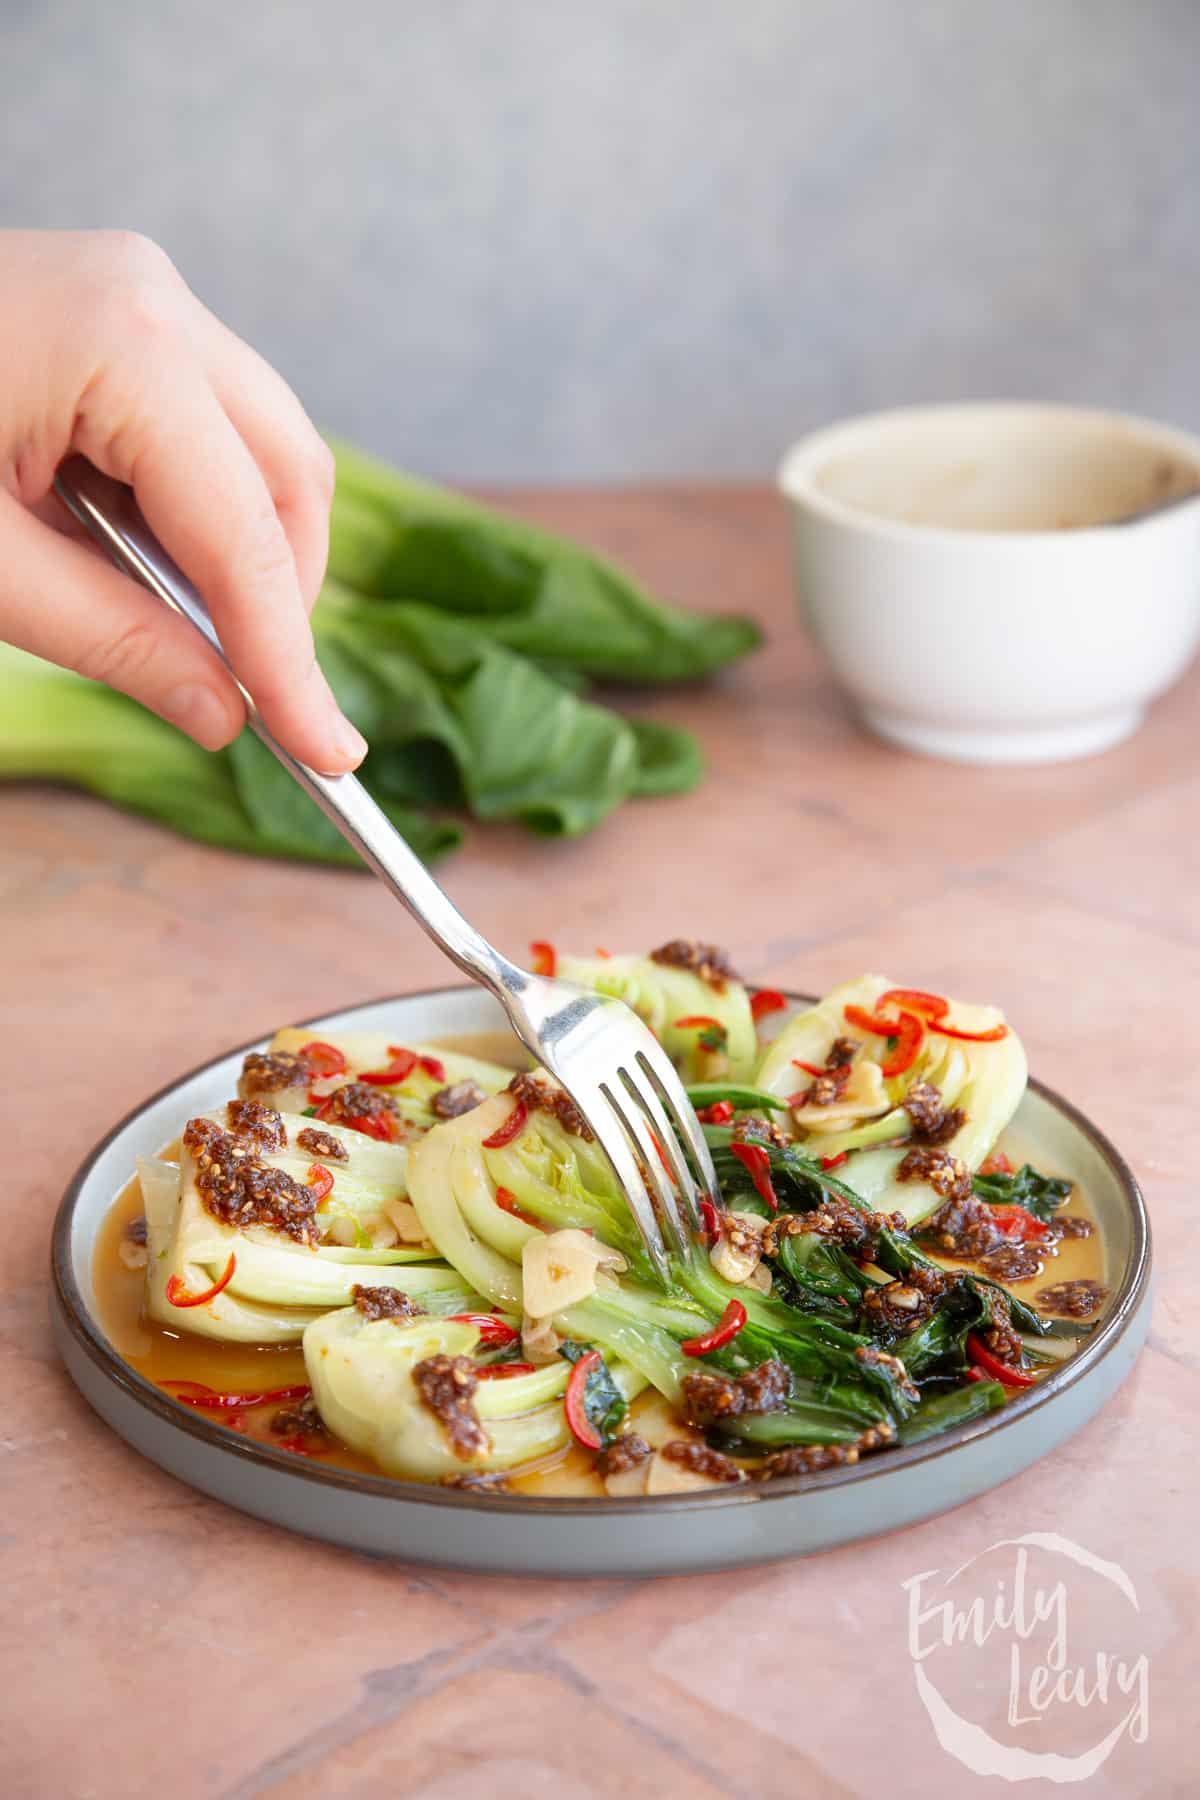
(962, 570)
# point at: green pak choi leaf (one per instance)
(458, 641)
(397, 538)
(1041, 1195)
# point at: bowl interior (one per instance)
(995, 468)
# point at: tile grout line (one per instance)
(556, 1663)
(1112, 914)
(1131, 802)
(386, 1694)
(957, 876)
(1155, 1342)
(389, 1692)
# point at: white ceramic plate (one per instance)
(523, 1535)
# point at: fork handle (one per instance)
(108, 510)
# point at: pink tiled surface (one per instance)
(156, 1643)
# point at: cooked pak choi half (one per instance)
(983, 1079)
(448, 1242)
(271, 1282)
(366, 1376)
(703, 1021)
(306, 1070)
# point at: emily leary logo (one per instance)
(1045, 1626)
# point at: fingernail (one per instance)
(200, 712)
(349, 743)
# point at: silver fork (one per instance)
(610, 1064)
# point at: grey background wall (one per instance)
(505, 240)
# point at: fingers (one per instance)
(229, 472)
(296, 463)
(153, 420)
(70, 606)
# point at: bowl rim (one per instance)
(801, 460)
(89, 1337)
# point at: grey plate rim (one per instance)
(83, 1327)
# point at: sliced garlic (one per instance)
(627, 1483)
(865, 1095)
(558, 1269)
(383, 1234)
(734, 1264)
(539, 1340)
(761, 1279)
(738, 1251)
(908, 1299)
(403, 1215)
(134, 1256)
(344, 1230)
(666, 1477)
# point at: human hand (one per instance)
(110, 354)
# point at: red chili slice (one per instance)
(767, 1000)
(320, 1180)
(858, 1015)
(910, 1035)
(506, 1200)
(974, 1374)
(996, 1164)
(239, 1401)
(726, 1327)
(719, 1113)
(403, 1063)
(300, 1446)
(399, 1069)
(709, 1220)
(179, 1295)
(605, 955)
(492, 1331)
(501, 1371)
(544, 958)
(697, 1022)
(582, 1429)
(971, 1037)
(931, 1006)
(385, 1128)
(662, 1155)
(198, 1393)
(834, 1162)
(809, 1068)
(208, 1398)
(323, 1059)
(982, 1357)
(908, 1030)
(757, 1165)
(512, 1127)
(1018, 1223)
